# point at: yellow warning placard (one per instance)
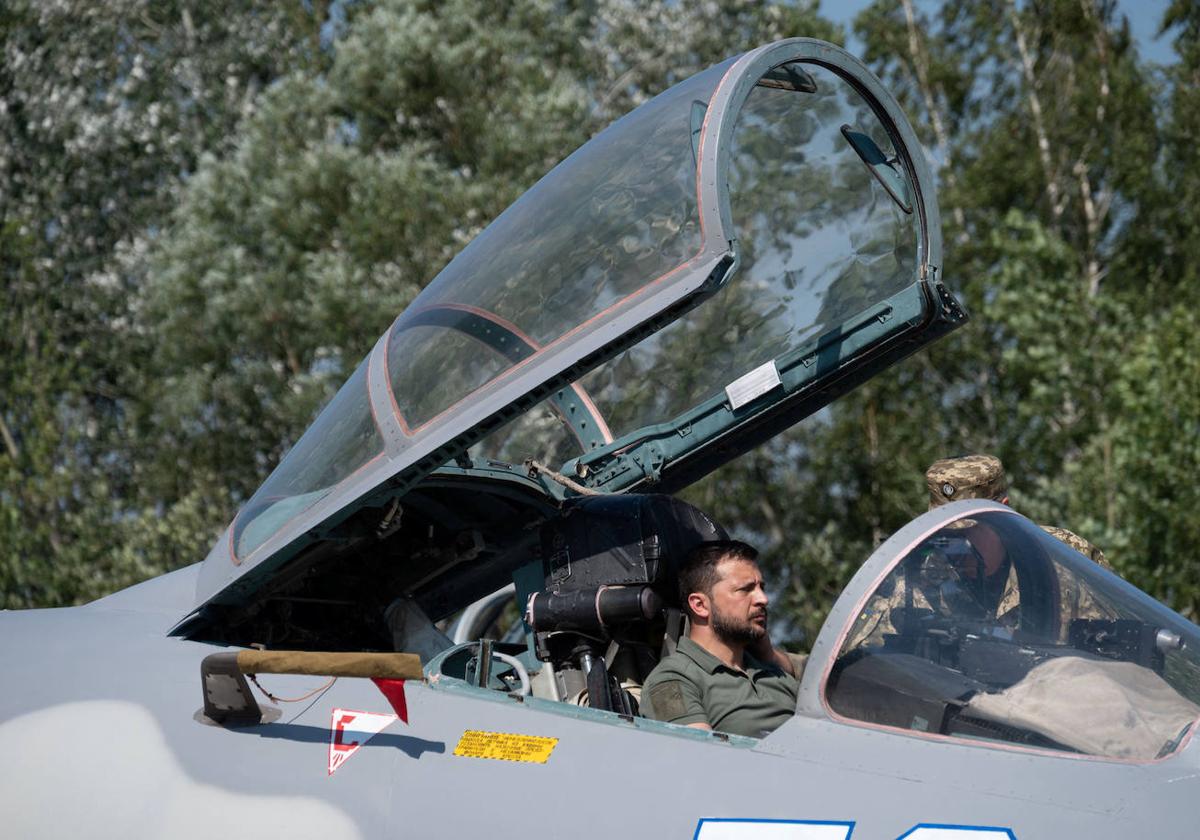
(505, 746)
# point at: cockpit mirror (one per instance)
(881, 166)
(788, 77)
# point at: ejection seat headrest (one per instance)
(623, 540)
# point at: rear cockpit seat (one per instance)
(608, 608)
(603, 611)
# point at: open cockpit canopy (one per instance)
(703, 273)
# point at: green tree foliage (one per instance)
(211, 210)
(344, 193)
(104, 110)
(637, 50)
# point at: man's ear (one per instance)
(698, 606)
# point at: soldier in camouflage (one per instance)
(977, 477)
(982, 477)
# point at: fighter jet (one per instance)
(717, 265)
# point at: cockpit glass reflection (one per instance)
(819, 240)
(341, 440)
(610, 220)
(992, 629)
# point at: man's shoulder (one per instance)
(674, 666)
(673, 691)
(1084, 547)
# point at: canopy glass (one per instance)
(992, 630)
(818, 239)
(820, 212)
(614, 218)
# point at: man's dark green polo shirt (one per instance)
(693, 686)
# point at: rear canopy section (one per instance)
(973, 623)
(709, 269)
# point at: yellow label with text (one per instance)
(505, 746)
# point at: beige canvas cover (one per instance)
(1114, 709)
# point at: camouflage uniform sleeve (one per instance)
(1010, 602)
(872, 623)
(875, 620)
(1079, 544)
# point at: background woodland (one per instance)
(209, 211)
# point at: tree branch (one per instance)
(10, 442)
(1092, 219)
(1093, 212)
(921, 67)
(872, 429)
(1057, 197)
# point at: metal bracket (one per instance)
(227, 697)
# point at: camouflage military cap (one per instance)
(1079, 544)
(967, 477)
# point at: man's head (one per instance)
(966, 477)
(972, 477)
(721, 586)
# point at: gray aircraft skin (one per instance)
(709, 270)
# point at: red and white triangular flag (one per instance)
(349, 729)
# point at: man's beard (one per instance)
(736, 631)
